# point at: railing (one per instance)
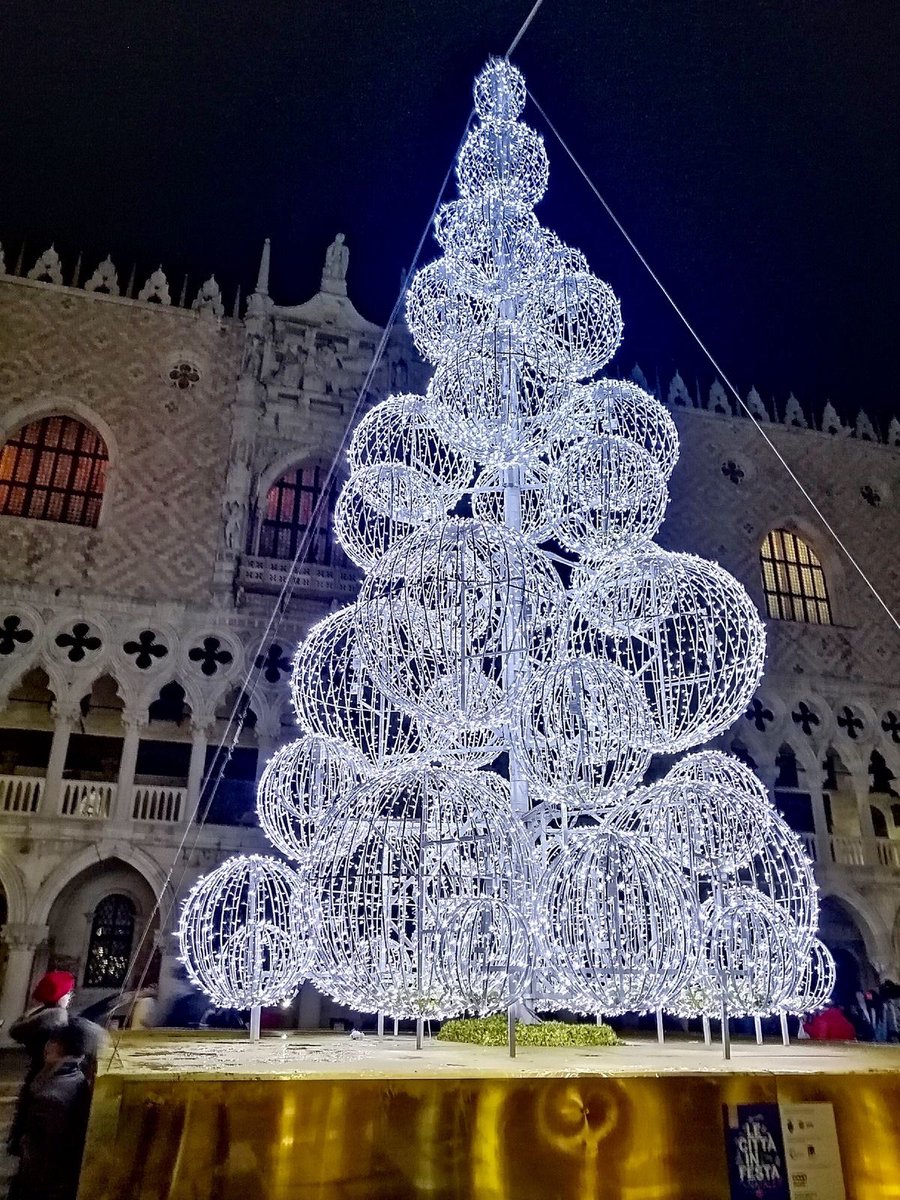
(20, 794)
(156, 802)
(852, 852)
(259, 574)
(888, 853)
(848, 852)
(82, 798)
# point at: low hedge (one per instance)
(491, 1031)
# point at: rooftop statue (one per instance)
(334, 273)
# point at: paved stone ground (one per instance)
(155, 1052)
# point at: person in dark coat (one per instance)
(54, 1119)
(52, 997)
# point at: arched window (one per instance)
(290, 504)
(895, 813)
(879, 821)
(109, 950)
(54, 470)
(793, 580)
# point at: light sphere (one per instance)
(780, 870)
(241, 932)
(499, 91)
(485, 955)
(439, 310)
(609, 495)
(301, 781)
(499, 395)
(705, 826)
(494, 250)
(504, 160)
(536, 517)
(389, 868)
(618, 922)
(620, 408)
(335, 696)
(815, 981)
(750, 957)
(582, 730)
(581, 313)
(379, 506)
(449, 606)
(397, 432)
(698, 646)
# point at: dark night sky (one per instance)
(751, 148)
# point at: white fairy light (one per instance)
(815, 981)
(618, 922)
(391, 866)
(620, 408)
(397, 432)
(433, 886)
(697, 645)
(448, 606)
(581, 727)
(300, 782)
(242, 935)
(335, 696)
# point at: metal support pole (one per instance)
(396, 1025)
(420, 1025)
(757, 1026)
(255, 1013)
(660, 1031)
(726, 1034)
(511, 1030)
(785, 1032)
(599, 1018)
(707, 1032)
(380, 1023)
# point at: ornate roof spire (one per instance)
(262, 278)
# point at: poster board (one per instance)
(783, 1152)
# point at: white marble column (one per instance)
(123, 805)
(65, 717)
(199, 740)
(22, 940)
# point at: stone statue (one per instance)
(334, 274)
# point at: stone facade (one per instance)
(130, 652)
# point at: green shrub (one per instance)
(491, 1031)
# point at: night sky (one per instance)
(751, 149)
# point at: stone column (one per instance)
(866, 827)
(123, 807)
(65, 717)
(199, 739)
(22, 941)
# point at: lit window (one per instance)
(793, 580)
(290, 505)
(109, 950)
(54, 470)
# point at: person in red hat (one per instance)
(52, 996)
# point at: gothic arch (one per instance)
(133, 856)
(820, 542)
(13, 883)
(48, 405)
(875, 934)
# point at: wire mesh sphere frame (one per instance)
(499, 92)
(695, 639)
(334, 695)
(300, 782)
(390, 868)
(815, 981)
(454, 602)
(749, 954)
(618, 922)
(582, 730)
(242, 933)
(620, 408)
(397, 432)
(485, 955)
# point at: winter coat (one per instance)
(32, 1031)
(54, 1124)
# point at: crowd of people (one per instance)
(861, 1016)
